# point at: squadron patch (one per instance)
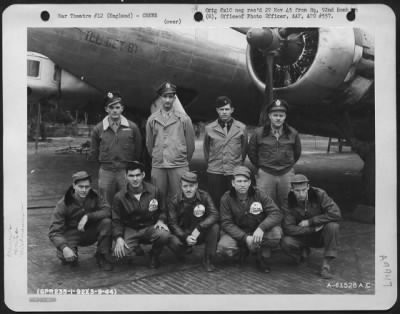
(153, 205)
(256, 208)
(110, 95)
(199, 210)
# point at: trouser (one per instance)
(110, 182)
(148, 235)
(208, 236)
(99, 231)
(229, 247)
(217, 185)
(327, 238)
(276, 187)
(168, 180)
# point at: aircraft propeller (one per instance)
(280, 45)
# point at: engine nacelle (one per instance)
(47, 80)
(325, 66)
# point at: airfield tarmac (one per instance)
(49, 175)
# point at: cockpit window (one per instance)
(33, 68)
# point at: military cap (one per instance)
(299, 178)
(222, 101)
(134, 164)
(112, 98)
(166, 88)
(80, 175)
(242, 171)
(278, 105)
(189, 176)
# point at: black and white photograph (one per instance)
(229, 161)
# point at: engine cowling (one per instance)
(323, 67)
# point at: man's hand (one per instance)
(191, 240)
(69, 254)
(161, 225)
(258, 236)
(120, 246)
(249, 242)
(304, 223)
(318, 228)
(82, 223)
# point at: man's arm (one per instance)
(329, 207)
(244, 144)
(213, 214)
(189, 136)
(297, 148)
(117, 225)
(290, 226)
(173, 221)
(227, 222)
(94, 145)
(57, 226)
(253, 149)
(101, 211)
(274, 214)
(138, 142)
(149, 137)
(206, 146)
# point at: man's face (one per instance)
(241, 184)
(277, 118)
(115, 111)
(300, 190)
(167, 100)
(225, 112)
(189, 189)
(135, 178)
(81, 188)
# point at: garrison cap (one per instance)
(278, 105)
(134, 164)
(189, 176)
(299, 178)
(166, 88)
(112, 98)
(222, 101)
(242, 171)
(80, 175)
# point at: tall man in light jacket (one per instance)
(225, 147)
(170, 142)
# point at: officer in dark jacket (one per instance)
(250, 221)
(310, 220)
(193, 219)
(81, 218)
(273, 150)
(139, 216)
(115, 141)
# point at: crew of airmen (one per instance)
(233, 217)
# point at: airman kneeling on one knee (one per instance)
(310, 220)
(250, 221)
(81, 218)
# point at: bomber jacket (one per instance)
(68, 213)
(112, 149)
(237, 219)
(182, 217)
(170, 143)
(319, 209)
(129, 212)
(223, 152)
(274, 156)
